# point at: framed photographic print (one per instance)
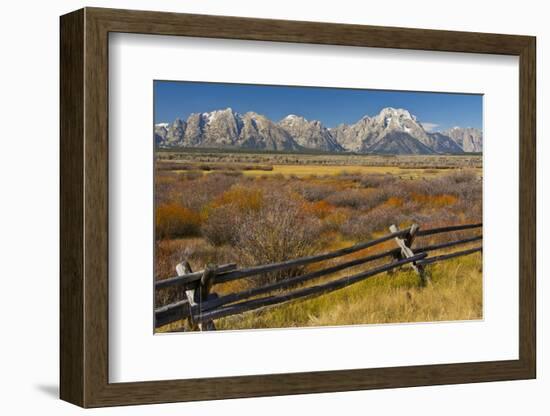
(256, 207)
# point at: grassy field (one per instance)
(245, 208)
(315, 170)
(347, 159)
(455, 294)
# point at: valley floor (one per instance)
(216, 208)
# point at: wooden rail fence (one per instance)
(200, 306)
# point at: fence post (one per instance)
(206, 283)
(184, 268)
(405, 244)
(196, 296)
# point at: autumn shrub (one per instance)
(164, 189)
(166, 259)
(408, 207)
(200, 193)
(377, 181)
(350, 176)
(472, 211)
(358, 198)
(438, 217)
(363, 226)
(227, 211)
(176, 221)
(221, 223)
(335, 220)
(319, 209)
(314, 192)
(279, 231)
(434, 200)
(218, 182)
(461, 184)
(242, 197)
(469, 191)
(353, 198)
(463, 176)
(395, 201)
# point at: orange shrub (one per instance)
(435, 200)
(320, 208)
(245, 199)
(173, 220)
(394, 202)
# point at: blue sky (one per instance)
(331, 106)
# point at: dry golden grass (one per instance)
(454, 294)
(302, 171)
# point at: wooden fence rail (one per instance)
(306, 292)
(200, 307)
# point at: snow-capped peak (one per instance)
(294, 117)
(396, 112)
(216, 113)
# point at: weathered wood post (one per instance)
(185, 268)
(206, 283)
(405, 243)
(197, 295)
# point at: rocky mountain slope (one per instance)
(392, 131)
(310, 134)
(225, 129)
(370, 130)
(469, 139)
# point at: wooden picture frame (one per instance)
(84, 207)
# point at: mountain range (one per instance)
(392, 131)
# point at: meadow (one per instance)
(254, 208)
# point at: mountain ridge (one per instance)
(391, 131)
